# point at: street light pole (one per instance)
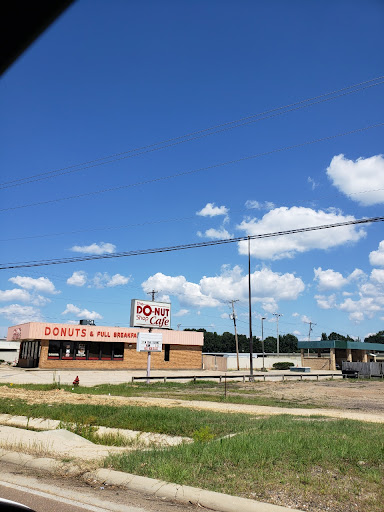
(277, 332)
(250, 313)
(262, 338)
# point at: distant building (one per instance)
(9, 350)
(331, 353)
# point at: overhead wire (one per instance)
(194, 171)
(140, 252)
(198, 134)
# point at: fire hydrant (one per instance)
(76, 382)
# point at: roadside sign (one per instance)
(149, 342)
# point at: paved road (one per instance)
(47, 494)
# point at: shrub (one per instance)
(284, 365)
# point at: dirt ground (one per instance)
(346, 395)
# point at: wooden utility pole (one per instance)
(234, 323)
(152, 293)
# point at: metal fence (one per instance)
(364, 369)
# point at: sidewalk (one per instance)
(15, 375)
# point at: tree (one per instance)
(375, 338)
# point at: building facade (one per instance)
(68, 346)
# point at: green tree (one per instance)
(375, 338)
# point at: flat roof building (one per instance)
(331, 353)
(68, 346)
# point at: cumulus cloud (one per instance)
(268, 287)
(377, 257)
(40, 284)
(210, 210)
(81, 313)
(362, 180)
(15, 294)
(215, 234)
(78, 278)
(377, 275)
(101, 248)
(18, 314)
(284, 218)
(331, 280)
(102, 280)
(181, 312)
(326, 302)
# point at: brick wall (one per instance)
(181, 357)
(317, 363)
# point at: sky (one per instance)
(145, 124)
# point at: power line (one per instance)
(140, 252)
(196, 134)
(194, 171)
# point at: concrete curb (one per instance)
(158, 488)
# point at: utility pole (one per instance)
(277, 332)
(153, 294)
(309, 333)
(234, 323)
(178, 327)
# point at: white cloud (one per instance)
(210, 210)
(283, 219)
(256, 205)
(17, 314)
(325, 302)
(186, 292)
(40, 284)
(312, 182)
(267, 287)
(362, 180)
(101, 248)
(216, 234)
(378, 275)
(78, 278)
(181, 312)
(295, 314)
(377, 257)
(117, 280)
(102, 280)
(297, 333)
(305, 319)
(81, 313)
(331, 280)
(15, 294)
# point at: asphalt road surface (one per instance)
(45, 493)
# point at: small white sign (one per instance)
(149, 342)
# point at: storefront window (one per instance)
(68, 349)
(106, 351)
(81, 351)
(54, 349)
(94, 351)
(118, 350)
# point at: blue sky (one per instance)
(111, 77)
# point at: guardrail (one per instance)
(263, 377)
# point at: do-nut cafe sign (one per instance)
(156, 315)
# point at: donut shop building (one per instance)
(87, 346)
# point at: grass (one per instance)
(175, 421)
(330, 461)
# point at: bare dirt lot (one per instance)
(347, 395)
